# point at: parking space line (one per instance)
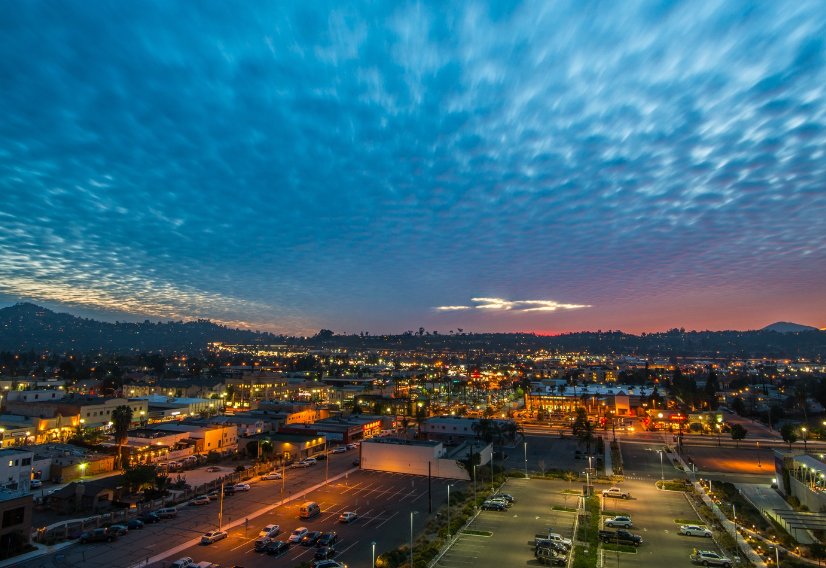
(387, 519)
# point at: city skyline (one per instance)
(493, 167)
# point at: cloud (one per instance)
(351, 165)
(515, 305)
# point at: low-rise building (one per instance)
(420, 457)
(15, 468)
(16, 515)
(287, 446)
(94, 411)
(214, 436)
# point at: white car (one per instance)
(213, 536)
(302, 463)
(694, 530)
(182, 562)
(270, 476)
(270, 531)
(311, 461)
(339, 450)
(708, 558)
(347, 517)
(242, 487)
(297, 535)
(623, 522)
(200, 500)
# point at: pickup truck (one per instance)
(616, 492)
(620, 537)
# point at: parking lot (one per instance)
(513, 530)
(383, 502)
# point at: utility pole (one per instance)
(221, 507)
(429, 492)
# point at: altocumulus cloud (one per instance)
(516, 305)
(323, 164)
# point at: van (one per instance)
(308, 509)
(167, 513)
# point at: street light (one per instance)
(448, 512)
(373, 565)
(719, 428)
(804, 438)
(411, 536)
(662, 471)
(526, 460)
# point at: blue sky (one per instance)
(531, 166)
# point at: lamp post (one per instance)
(411, 536)
(526, 460)
(221, 506)
(373, 565)
(719, 428)
(448, 512)
(474, 486)
(804, 438)
(758, 455)
(662, 470)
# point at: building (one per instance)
(344, 430)
(180, 388)
(419, 457)
(451, 429)
(16, 515)
(602, 400)
(161, 407)
(94, 411)
(18, 430)
(213, 436)
(16, 468)
(256, 386)
(293, 447)
(34, 395)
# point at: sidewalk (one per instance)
(766, 500)
(727, 524)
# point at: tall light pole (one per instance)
(758, 455)
(804, 438)
(326, 461)
(662, 471)
(474, 486)
(411, 536)
(448, 512)
(221, 506)
(373, 565)
(526, 460)
(283, 478)
(718, 434)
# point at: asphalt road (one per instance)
(192, 522)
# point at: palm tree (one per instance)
(587, 436)
(121, 421)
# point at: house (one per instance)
(89, 497)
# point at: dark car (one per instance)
(277, 547)
(97, 535)
(310, 538)
(327, 539)
(321, 457)
(119, 530)
(261, 543)
(135, 524)
(493, 506)
(229, 490)
(325, 553)
(149, 518)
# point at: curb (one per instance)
(241, 521)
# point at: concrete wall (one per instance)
(414, 459)
(814, 500)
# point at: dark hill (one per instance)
(25, 327)
(787, 327)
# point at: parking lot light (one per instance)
(411, 536)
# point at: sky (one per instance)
(383, 166)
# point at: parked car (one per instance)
(213, 469)
(350, 446)
(302, 463)
(167, 513)
(357, 461)
(270, 531)
(135, 524)
(261, 543)
(242, 486)
(556, 537)
(617, 493)
(310, 538)
(708, 558)
(297, 535)
(497, 499)
(277, 547)
(214, 495)
(340, 450)
(321, 457)
(493, 506)
(550, 557)
(200, 500)
(621, 536)
(328, 539)
(328, 564)
(213, 536)
(347, 517)
(119, 530)
(507, 497)
(623, 522)
(98, 535)
(35, 483)
(149, 518)
(311, 461)
(229, 491)
(271, 476)
(694, 530)
(325, 553)
(182, 562)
